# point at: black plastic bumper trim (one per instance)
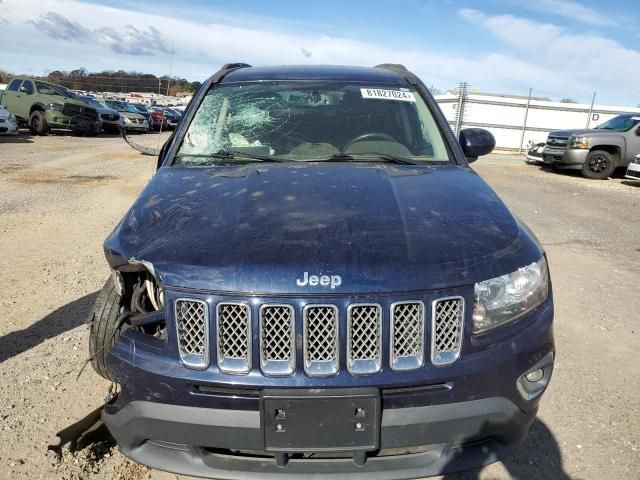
(460, 436)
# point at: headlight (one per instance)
(12, 118)
(503, 299)
(58, 107)
(579, 142)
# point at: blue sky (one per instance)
(561, 48)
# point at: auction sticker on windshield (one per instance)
(387, 94)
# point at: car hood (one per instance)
(4, 114)
(583, 131)
(257, 228)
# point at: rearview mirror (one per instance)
(476, 142)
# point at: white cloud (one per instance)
(574, 11)
(573, 63)
(542, 56)
(129, 40)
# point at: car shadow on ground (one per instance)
(631, 183)
(618, 173)
(59, 321)
(538, 458)
(21, 138)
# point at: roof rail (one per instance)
(394, 67)
(401, 70)
(234, 66)
(224, 70)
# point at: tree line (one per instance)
(114, 81)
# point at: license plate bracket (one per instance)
(321, 420)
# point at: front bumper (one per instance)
(78, 123)
(633, 171)
(564, 157)
(141, 127)
(229, 444)
(8, 127)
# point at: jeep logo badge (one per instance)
(332, 281)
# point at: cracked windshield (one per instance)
(304, 121)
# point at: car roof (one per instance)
(316, 72)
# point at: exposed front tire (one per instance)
(105, 327)
(599, 165)
(38, 123)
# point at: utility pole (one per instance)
(524, 124)
(593, 101)
(170, 66)
(462, 94)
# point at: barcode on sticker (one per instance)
(387, 94)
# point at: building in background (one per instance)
(516, 121)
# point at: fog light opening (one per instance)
(535, 376)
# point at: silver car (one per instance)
(633, 170)
(8, 123)
(133, 120)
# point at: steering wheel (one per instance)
(369, 136)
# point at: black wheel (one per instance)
(599, 165)
(38, 123)
(105, 327)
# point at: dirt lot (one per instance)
(61, 195)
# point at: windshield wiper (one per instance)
(345, 157)
(224, 155)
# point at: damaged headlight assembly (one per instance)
(504, 299)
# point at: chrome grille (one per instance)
(446, 329)
(320, 325)
(192, 325)
(277, 339)
(364, 333)
(557, 141)
(407, 335)
(233, 324)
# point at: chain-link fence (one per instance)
(518, 121)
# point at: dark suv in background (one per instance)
(316, 283)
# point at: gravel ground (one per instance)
(61, 195)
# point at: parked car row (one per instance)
(43, 106)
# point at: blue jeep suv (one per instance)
(316, 283)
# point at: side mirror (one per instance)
(24, 89)
(163, 151)
(476, 142)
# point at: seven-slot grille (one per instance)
(277, 340)
(234, 337)
(193, 332)
(407, 335)
(320, 325)
(446, 329)
(320, 336)
(364, 338)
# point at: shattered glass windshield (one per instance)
(312, 120)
